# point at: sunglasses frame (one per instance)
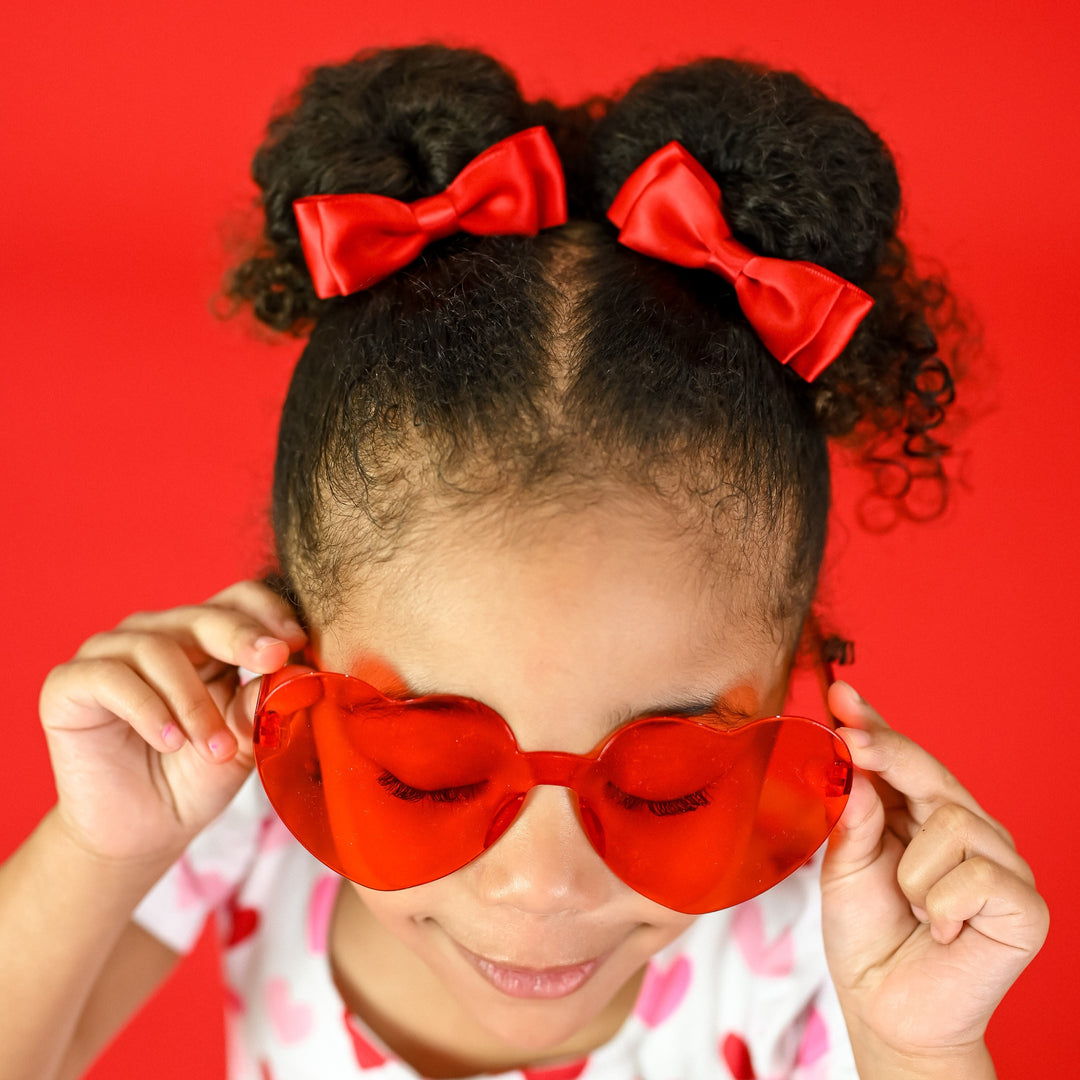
(549, 767)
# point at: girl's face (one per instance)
(567, 627)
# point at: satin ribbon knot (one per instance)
(354, 240)
(670, 208)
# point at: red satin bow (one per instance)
(352, 241)
(669, 208)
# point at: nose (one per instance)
(543, 864)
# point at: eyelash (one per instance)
(685, 804)
(400, 790)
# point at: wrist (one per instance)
(135, 874)
(877, 1061)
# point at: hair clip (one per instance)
(670, 208)
(352, 241)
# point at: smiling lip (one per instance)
(524, 982)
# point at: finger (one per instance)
(75, 695)
(853, 710)
(910, 770)
(855, 842)
(239, 713)
(951, 836)
(863, 912)
(262, 603)
(210, 637)
(162, 663)
(863, 854)
(991, 900)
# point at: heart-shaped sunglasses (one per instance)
(394, 793)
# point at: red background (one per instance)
(138, 431)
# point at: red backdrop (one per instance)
(138, 431)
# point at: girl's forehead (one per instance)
(599, 613)
(597, 568)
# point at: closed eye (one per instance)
(400, 790)
(684, 804)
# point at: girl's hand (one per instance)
(929, 912)
(148, 728)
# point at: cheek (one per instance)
(399, 909)
(451, 903)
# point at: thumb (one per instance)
(856, 842)
(864, 913)
(240, 715)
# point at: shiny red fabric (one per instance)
(353, 241)
(670, 208)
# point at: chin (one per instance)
(537, 1027)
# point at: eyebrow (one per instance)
(719, 709)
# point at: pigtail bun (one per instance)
(395, 122)
(803, 177)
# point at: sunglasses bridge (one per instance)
(551, 768)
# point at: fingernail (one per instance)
(857, 737)
(855, 695)
(218, 745)
(265, 643)
(172, 736)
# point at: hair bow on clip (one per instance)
(352, 241)
(670, 208)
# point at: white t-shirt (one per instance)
(742, 994)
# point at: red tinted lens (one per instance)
(388, 793)
(699, 818)
(392, 794)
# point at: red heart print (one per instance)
(244, 923)
(736, 1055)
(557, 1072)
(367, 1055)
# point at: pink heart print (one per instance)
(762, 957)
(234, 1003)
(663, 990)
(320, 908)
(272, 833)
(291, 1020)
(815, 1040)
(209, 887)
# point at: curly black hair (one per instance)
(544, 367)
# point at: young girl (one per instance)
(556, 458)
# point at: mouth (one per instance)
(532, 982)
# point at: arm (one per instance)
(65, 933)
(149, 735)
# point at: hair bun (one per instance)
(395, 122)
(802, 177)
